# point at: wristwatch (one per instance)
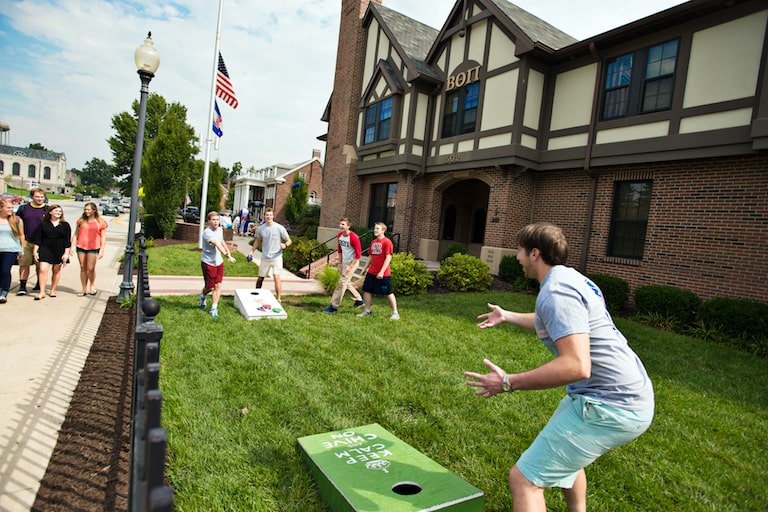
(505, 385)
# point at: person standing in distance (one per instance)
(377, 271)
(212, 262)
(32, 216)
(275, 239)
(609, 397)
(349, 258)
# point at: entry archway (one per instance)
(463, 212)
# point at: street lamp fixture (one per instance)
(147, 61)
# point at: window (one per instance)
(31, 171)
(378, 120)
(460, 113)
(46, 173)
(640, 82)
(629, 221)
(16, 169)
(2, 167)
(383, 204)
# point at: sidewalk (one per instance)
(43, 348)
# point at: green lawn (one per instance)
(314, 373)
(184, 260)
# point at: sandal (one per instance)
(93, 292)
(52, 295)
(39, 297)
(81, 294)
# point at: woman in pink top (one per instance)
(88, 240)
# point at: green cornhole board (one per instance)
(369, 469)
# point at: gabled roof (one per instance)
(412, 39)
(36, 154)
(385, 70)
(535, 29)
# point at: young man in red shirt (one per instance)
(377, 271)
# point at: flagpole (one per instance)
(209, 131)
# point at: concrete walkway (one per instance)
(43, 348)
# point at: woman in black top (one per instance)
(51, 247)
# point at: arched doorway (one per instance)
(463, 212)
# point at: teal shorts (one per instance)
(580, 431)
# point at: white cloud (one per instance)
(68, 66)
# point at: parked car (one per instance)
(191, 214)
(79, 197)
(126, 202)
(109, 209)
(13, 197)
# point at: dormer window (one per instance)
(378, 121)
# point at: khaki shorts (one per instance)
(27, 258)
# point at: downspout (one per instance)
(588, 158)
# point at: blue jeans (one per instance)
(6, 263)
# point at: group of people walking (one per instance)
(38, 235)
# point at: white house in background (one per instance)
(27, 168)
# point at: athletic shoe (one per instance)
(22, 291)
(202, 301)
(359, 304)
(395, 316)
(36, 288)
(215, 312)
(367, 312)
(330, 309)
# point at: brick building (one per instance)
(270, 186)
(647, 144)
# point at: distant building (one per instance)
(27, 168)
(647, 144)
(270, 186)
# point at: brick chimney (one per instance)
(342, 189)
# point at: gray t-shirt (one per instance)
(271, 238)
(570, 303)
(211, 255)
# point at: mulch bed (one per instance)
(88, 470)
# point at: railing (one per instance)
(146, 478)
(321, 250)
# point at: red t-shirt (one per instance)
(89, 234)
(380, 248)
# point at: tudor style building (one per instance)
(647, 144)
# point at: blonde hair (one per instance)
(13, 220)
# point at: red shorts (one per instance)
(212, 275)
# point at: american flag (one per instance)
(224, 89)
(217, 120)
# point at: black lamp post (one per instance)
(147, 61)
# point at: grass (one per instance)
(51, 196)
(314, 373)
(184, 260)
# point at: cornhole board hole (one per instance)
(258, 303)
(367, 468)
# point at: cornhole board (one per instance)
(369, 469)
(258, 303)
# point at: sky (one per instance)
(66, 67)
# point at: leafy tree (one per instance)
(166, 166)
(37, 145)
(125, 125)
(296, 202)
(98, 173)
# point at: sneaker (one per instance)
(395, 316)
(359, 304)
(22, 291)
(215, 312)
(330, 309)
(36, 288)
(367, 312)
(202, 301)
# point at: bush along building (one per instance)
(647, 144)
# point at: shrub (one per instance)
(454, 248)
(615, 291)
(408, 276)
(464, 273)
(743, 321)
(681, 306)
(511, 271)
(297, 254)
(329, 278)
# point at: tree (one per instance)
(125, 125)
(167, 164)
(97, 173)
(37, 145)
(216, 177)
(296, 202)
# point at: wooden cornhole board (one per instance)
(369, 469)
(258, 303)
